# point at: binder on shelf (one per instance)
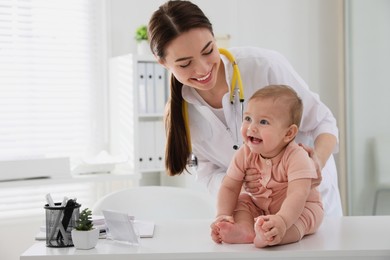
(142, 88)
(160, 88)
(146, 145)
(150, 94)
(159, 133)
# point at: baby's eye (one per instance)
(247, 118)
(264, 122)
(185, 65)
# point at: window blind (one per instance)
(50, 78)
(51, 91)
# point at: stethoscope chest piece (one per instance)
(192, 161)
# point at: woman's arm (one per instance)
(324, 145)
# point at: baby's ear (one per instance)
(291, 133)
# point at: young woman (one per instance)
(182, 40)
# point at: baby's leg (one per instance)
(239, 232)
(292, 235)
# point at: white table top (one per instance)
(365, 237)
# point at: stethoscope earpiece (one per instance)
(235, 147)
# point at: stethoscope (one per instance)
(192, 160)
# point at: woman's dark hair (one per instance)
(167, 23)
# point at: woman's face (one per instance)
(193, 58)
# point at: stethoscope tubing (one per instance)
(236, 81)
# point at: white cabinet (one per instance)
(138, 94)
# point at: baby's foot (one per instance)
(260, 239)
(235, 233)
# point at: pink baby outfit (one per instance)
(291, 164)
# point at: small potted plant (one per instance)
(84, 235)
(141, 36)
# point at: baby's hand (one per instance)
(274, 227)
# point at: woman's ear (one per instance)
(291, 133)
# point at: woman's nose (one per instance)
(203, 67)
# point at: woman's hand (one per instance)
(316, 160)
(251, 181)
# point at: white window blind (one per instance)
(52, 87)
(51, 80)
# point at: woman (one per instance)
(181, 38)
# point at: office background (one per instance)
(338, 47)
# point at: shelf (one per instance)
(98, 177)
(146, 117)
(151, 170)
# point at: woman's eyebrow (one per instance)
(184, 58)
(207, 45)
(187, 58)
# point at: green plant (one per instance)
(141, 33)
(84, 223)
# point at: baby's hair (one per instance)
(287, 95)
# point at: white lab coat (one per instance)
(213, 140)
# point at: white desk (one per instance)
(338, 238)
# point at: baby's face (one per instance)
(265, 126)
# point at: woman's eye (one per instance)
(209, 52)
(185, 65)
(264, 122)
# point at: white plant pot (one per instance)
(143, 48)
(85, 239)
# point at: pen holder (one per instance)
(59, 223)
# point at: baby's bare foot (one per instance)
(260, 239)
(236, 233)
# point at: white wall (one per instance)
(368, 96)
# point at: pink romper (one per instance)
(291, 164)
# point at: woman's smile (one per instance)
(205, 78)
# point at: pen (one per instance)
(57, 221)
(49, 200)
(67, 216)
